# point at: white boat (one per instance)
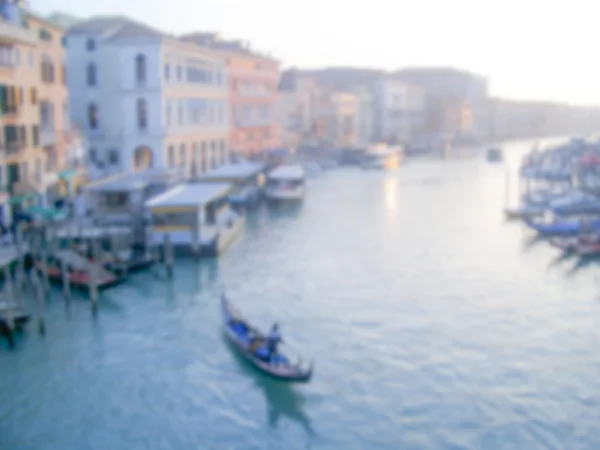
(382, 157)
(286, 183)
(197, 218)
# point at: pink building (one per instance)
(253, 93)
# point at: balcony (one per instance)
(10, 33)
(14, 147)
(48, 137)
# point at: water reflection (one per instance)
(281, 398)
(284, 210)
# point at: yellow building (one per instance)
(33, 103)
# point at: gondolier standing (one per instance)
(273, 341)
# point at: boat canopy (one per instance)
(136, 181)
(287, 173)
(190, 195)
(235, 171)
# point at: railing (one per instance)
(48, 137)
(14, 147)
(15, 33)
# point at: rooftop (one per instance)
(287, 173)
(115, 27)
(128, 182)
(190, 195)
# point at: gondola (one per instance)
(250, 343)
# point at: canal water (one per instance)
(433, 324)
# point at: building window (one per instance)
(182, 155)
(47, 70)
(91, 74)
(167, 71)
(180, 113)
(142, 114)
(17, 56)
(92, 154)
(46, 115)
(35, 132)
(113, 156)
(31, 59)
(171, 156)
(93, 116)
(24, 171)
(140, 69)
(223, 151)
(33, 94)
(64, 74)
(178, 73)
(45, 35)
(168, 113)
(38, 169)
(90, 45)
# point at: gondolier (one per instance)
(273, 340)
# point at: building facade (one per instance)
(399, 110)
(337, 119)
(253, 81)
(34, 103)
(448, 86)
(146, 100)
(298, 99)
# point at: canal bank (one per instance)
(431, 322)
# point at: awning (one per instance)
(17, 199)
(46, 213)
(68, 174)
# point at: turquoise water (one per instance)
(433, 324)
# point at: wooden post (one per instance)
(20, 269)
(168, 252)
(66, 281)
(93, 269)
(39, 293)
(44, 268)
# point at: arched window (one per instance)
(203, 157)
(142, 114)
(91, 74)
(93, 116)
(171, 156)
(90, 45)
(182, 156)
(213, 154)
(140, 69)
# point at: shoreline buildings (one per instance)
(39, 142)
(145, 99)
(253, 79)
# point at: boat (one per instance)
(567, 245)
(286, 183)
(564, 227)
(249, 342)
(78, 270)
(382, 157)
(494, 155)
(524, 212)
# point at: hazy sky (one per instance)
(530, 49)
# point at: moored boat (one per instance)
(382, 157)
(251, 344)
(286, 183)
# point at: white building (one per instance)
(145, 99)
(398, 110)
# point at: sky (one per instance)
(529, 49)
